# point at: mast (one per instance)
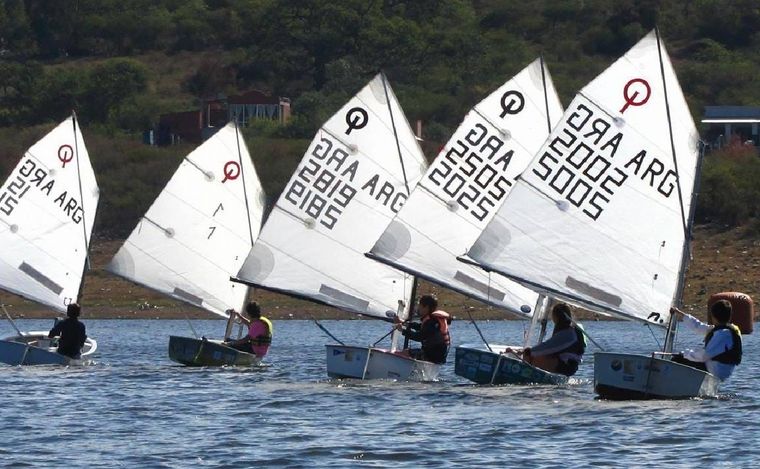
(546, 94)
(245, 189)
(247, 207)
(409, 310)
(410, 306)
(86, 265)
(688, 220)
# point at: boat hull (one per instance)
(34, 348)
(189, 351)
(346, 361)
(482, 366)
(620, 376)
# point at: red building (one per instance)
(196, 126)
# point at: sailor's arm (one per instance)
(692, 323)
(56, 330)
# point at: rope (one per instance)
(479, 332)
(327, 332)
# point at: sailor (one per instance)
(259, 336)
(70, 332)
(723, 342)
(563, 352)
(432, 331)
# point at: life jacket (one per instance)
(578, 347)
(732, 356)
(444, 319)
(264, 340)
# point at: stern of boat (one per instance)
(346, 361)
(620, 376)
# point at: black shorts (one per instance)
(567, 368)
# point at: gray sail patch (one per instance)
(599, 294)
(187, 296)
(350, 300)
(479, 286)
(47, 282)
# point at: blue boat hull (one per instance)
(485, 367)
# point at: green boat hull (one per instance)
(204, 352)
(485, 367)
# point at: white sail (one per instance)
(599, 216)
(47, 211)
(341, 197)
(200, 227)
(465, 186)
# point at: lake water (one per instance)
(135, 408)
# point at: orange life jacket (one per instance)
(443, 318)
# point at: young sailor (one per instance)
(563, 352)
(259, 336)
(432, 331)
(72, 333)
(723, 342)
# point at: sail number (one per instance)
(330, 178)
(473, 171)
(322, 187)
(577, 163)
(29, 174)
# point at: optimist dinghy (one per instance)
(602, 216)
(356, 174)
(458, 196)
(47, 211)
(194, 236)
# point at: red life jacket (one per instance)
(443, 318)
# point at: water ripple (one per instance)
(134, 408)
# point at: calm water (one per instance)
(135, 408)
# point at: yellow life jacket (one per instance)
(263, 340)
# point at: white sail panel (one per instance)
(200, 227)
(467, 183)
(47, 211)
(341, 197)
(596, 218)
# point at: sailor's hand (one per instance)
(675, 311)
(398, 326)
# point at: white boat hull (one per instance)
(346, 361)
(623, 376)
(34, 348)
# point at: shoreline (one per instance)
(724, 260)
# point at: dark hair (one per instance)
(430, 301)
(73, 310)
(253, 310)
(563, 313)
(721, 311)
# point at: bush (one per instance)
(729, 191)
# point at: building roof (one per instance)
(253, 97)
(728, 114)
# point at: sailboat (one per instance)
(459, 195)
(356, 174)
(194, 236)
(601, 217)
(47, 211)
